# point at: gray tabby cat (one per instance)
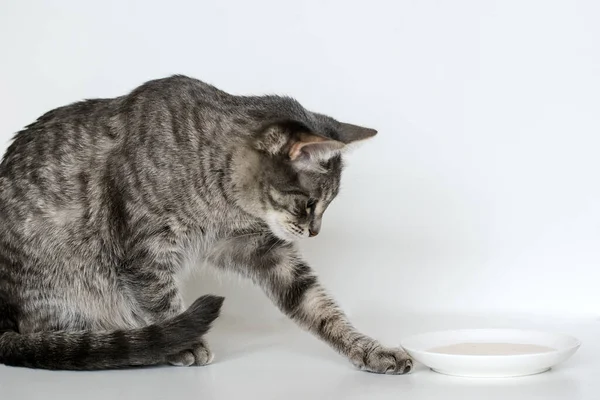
(106, 204)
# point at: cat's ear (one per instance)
(350, 133)
(316, 148)
(274, 137)
(296, 142)
(309, 148)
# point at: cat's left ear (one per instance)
(350, 133)
(311, 148)
(317, 148)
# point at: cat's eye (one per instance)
(310, 205)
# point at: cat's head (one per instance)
(298, 171)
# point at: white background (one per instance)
(480, 194)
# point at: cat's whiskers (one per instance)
(260, 233)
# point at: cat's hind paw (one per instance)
(199, 355)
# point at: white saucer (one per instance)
(489, 353)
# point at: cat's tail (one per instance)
(108, 350)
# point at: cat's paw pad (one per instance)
(199, 355)
(383, 360)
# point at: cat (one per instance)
(107, 204)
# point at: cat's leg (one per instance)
(296, 291)
(156, 292)
(151, 279)
(294, 288)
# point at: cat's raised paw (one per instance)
(384, 360)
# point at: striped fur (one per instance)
(106, 203)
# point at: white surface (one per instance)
(275, 360)
(479, 193)
(491, 366)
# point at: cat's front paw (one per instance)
(382, 360)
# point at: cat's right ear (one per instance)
(274, 137)
(296, 142)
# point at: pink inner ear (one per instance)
(296, 150)
(305, 139)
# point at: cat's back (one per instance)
(46, 158)
(69, 139)
(64, 159)
(64, 133)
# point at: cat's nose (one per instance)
(314, 227)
